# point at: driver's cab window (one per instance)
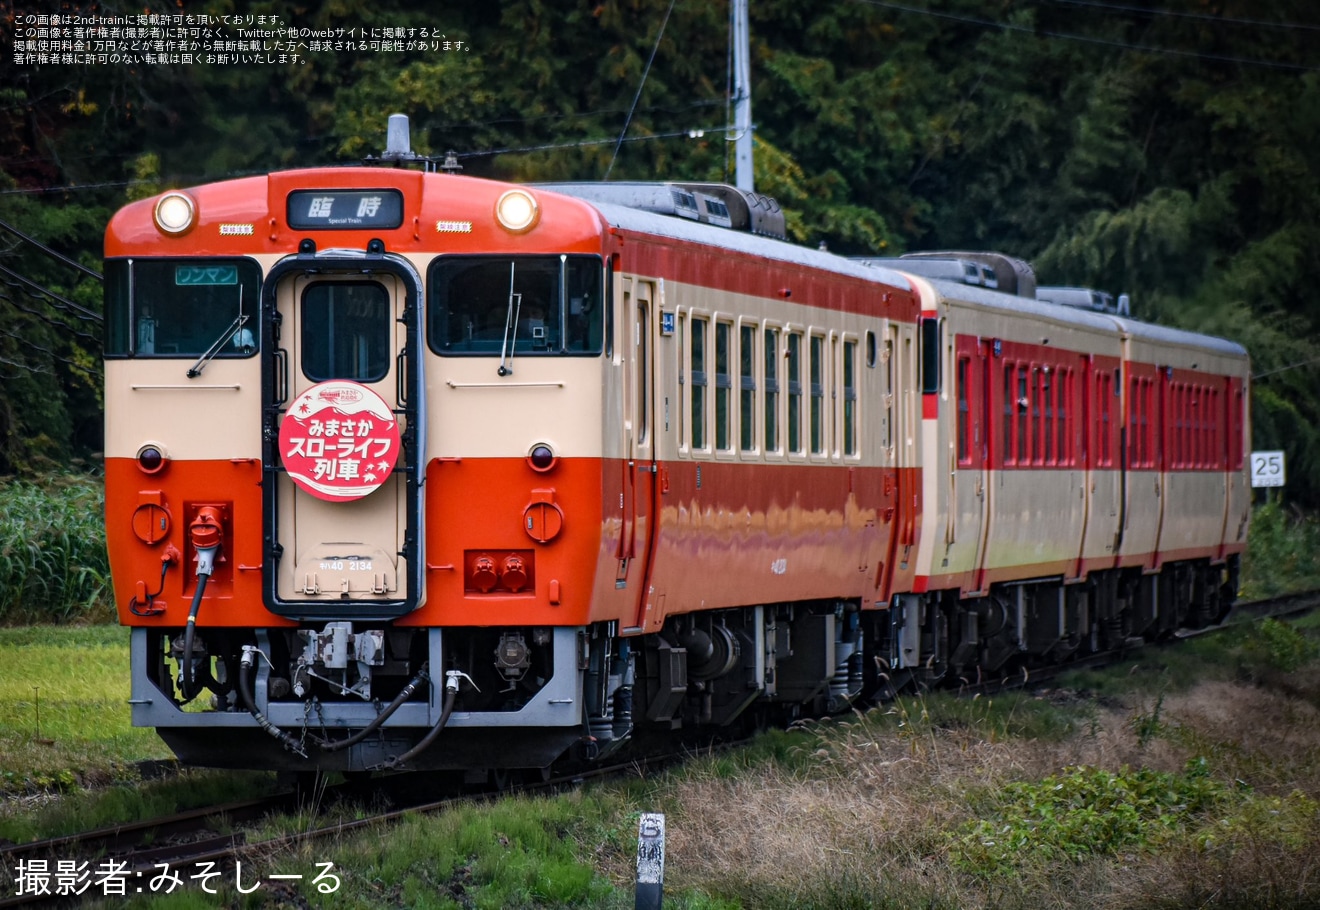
(502, 305)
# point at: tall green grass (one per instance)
(53, 563)
(1283, 552)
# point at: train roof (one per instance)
(646, 222)
(1163, 334)
(1101, 322)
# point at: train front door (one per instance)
(342, 390)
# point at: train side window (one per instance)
(1217, 414)
(1193, 455)
(699, 382)
(723, 385)
(346, 331)
(1175, 449)
(1063, 378)
(642, 360)
(887, 429)
(117, 288)
(1010, 409)
(1024, 415)
(747, 387)
(795, 392)
(1045, 452)
(1103, 396)
(771, 390)
(682, 380)
(1196, 402)
(1147, 425)
(817, 369)
(930, 356)
(964, 413)
(850, 446)
(1202, 405)
(1185, 429)
(1235, 446)
(1134, 421)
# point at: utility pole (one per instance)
(742, 96)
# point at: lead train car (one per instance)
(415, 470)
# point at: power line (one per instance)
(48, 319)
(95, 374)
(1044, 33)
(60, 303)
(1291, 366)
(584, 143)
(692, 133)
(1226, 20)
(646, 72)
(48, 251)
(23, 366)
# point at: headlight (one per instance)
(176, 213)
(517, 211)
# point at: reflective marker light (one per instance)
(151, 459)
(542, 458)
(175, 213)
(517, 211)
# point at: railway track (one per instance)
(139, 853)
(216, 836)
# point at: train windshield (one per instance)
(181, 308)
(523, 305)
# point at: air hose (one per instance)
(451, 693)
(206, 533)
(245, 692)
(187, 668)
(336, 745)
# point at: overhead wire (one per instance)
(56, 300)
(48, 319)
(49, 253)
(1086, 39)
(95, 374)
(1178, 14)
(584, 143)
(640, 85)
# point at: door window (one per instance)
(346, 331)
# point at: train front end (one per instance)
(354, 471)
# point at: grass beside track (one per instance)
(64, 716)
(1184, 777)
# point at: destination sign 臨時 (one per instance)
(344, 210)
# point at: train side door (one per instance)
(637, 501)
(980, 373)
(343, 387)
(965, 510)
(901, 422)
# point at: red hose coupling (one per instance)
(205, 530)
(514, 575)
(484, 575)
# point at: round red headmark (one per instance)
(339, 440)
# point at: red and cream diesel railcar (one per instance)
(412, 469)
(1083, 481)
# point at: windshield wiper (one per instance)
(220, 342)
(510, 327)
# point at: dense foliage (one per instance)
(53, 562)
(1164, 151)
